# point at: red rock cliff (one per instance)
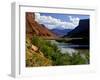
(34, 28)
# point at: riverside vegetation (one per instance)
(49, 55)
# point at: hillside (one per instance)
(34, 28)
(35, 58)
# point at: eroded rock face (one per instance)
(34, 28)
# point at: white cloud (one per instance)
(74, 20)
(52, 22)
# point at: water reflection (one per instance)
(70, 48)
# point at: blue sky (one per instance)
(64, 17)
(60, 21)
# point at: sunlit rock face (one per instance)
(34, 28)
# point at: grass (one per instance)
(35, 59)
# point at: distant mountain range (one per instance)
(34, 28)
(60, 32)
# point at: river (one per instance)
(70, 48)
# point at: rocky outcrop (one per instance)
(34, 28)
(80, 31)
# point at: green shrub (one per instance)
(52, 52)
(77, 59)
